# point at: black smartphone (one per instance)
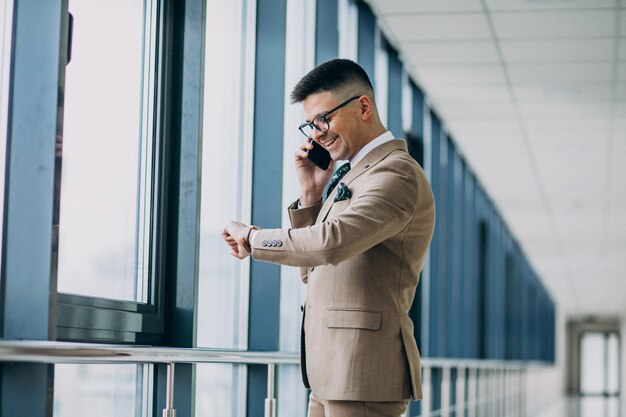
(319, 156)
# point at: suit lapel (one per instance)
(371, 159)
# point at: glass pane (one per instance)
(107, 151)
(215, 392)
(292, 397)
(599, 407)
(592, 369)
(613, 364)
(6, 14)
(226, 170)
(226, 188)
(300, 58)
(101, 390)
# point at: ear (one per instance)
(366, 107)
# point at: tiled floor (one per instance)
(584, 407)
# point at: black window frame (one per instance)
(82, 318)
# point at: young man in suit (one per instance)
(360, 248)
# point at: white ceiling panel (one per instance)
(568, 92)
(525, 5)
(477, 126)
(488, 138)
(471, 93)
(464, 27)
(559, 72)
(407, 7)
(461, 75)
(479, 52)
(621, 70)
(567, 125)
(484, 110)
(541, 121)
(622, 45)
(546, 50)
(555, 24)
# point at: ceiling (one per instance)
(534, 94)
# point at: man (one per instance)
(360, 249)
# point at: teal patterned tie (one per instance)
(337, 176)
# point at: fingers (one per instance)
(303, 149)
(239, 252)
(237, 248)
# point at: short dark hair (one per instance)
(331, 76)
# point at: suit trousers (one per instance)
(327, 408)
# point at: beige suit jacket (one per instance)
(361, 260)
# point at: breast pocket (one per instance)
(352, 318)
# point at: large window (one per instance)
(300, 58)
(226, 173)
(108, 149)
(223, 287)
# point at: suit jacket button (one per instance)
(273, 243)
(311, 268)
(264, 243)
(279, 243)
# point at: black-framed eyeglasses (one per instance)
(321, 122)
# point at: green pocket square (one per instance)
(343, 193)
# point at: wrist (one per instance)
(247, 236)
(309, 199)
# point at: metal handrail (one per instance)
(69, 352)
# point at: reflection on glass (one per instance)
(613, 364)
(222, 288)
(598, 407)
(6, 14)
(101, 390)
(592, 370)
(291, 395)
(300, 59)
(107, 151)
(226, 172)
(216, 393)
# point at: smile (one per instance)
(329, 142)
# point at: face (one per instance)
(344, 138)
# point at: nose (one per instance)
(316, 134)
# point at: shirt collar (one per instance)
(385, 137)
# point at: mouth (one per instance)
(329, 142)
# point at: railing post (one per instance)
(169, 410)
(523, 386)
(461, 401)
(500, 392)
(471, 392)
(427, 392)
(483, 375)
(445, 392)
(270, 401)
(491, 388)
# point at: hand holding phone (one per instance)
(319, 156)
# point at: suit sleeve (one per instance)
(381, 209)
(303, 217)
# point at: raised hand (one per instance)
(312, 178)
